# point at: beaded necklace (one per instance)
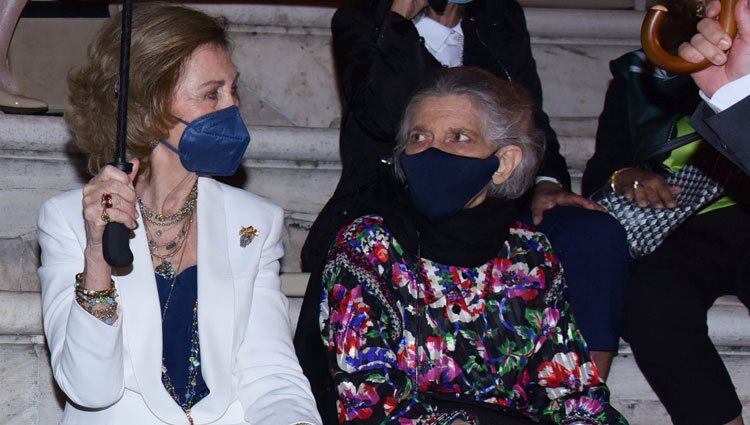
(167, 220)
(193, 366)
(177, 245)
(170, 248)
(167, 271)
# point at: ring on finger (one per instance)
(700, 9)
(636, 184)
(106, 200)
(105, 216)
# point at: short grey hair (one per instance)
(508, 120)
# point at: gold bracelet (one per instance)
(91, 293)
(613, 177)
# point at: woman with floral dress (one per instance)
(440, 308)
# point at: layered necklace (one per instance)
(157, 224)
(165, 252)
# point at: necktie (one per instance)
(453, 49)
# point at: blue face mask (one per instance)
(214, 144)
(460, 1)
(441, 184)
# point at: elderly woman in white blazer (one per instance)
(197, 331)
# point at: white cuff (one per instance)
(728, 94)
(540, 179)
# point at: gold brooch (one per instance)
(247, 235)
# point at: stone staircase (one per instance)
(291, 104)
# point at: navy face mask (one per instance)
(214, 144)
(441, 184)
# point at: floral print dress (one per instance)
(398, 329)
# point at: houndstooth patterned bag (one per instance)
(648, 227)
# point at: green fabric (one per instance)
(683, 156)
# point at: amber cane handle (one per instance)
(660, 57)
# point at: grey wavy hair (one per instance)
(508, 120)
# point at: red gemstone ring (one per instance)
(106, 200)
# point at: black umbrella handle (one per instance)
(116, 238)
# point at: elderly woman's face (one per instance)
(208, 83)
(451, 124)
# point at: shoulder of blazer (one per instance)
(68, 198)
(237, 199)
(245, 198)
(68, 204)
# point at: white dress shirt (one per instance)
(445, 44)
(728, 94)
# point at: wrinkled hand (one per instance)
(408, 8)
(652, 189)
(713, 43)
(548, 195)
(120, 186)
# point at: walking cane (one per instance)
(664, 60)
(116, 238)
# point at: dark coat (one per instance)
(381, 60)
(726, 131)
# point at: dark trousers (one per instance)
(593, 251)
(665, 314)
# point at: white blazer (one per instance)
(112, 374)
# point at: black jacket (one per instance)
(381, 60)
(727, 131)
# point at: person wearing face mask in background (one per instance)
(197, 331)
(438, 306)
(384, 49)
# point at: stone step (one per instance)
(284, 55)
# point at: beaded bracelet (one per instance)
(95, 301)
(89, 300)
(106, 315)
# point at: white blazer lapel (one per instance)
(142, 329)
(215, 301)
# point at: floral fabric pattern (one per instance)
(402, 331)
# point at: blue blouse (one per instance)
(177, 328)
